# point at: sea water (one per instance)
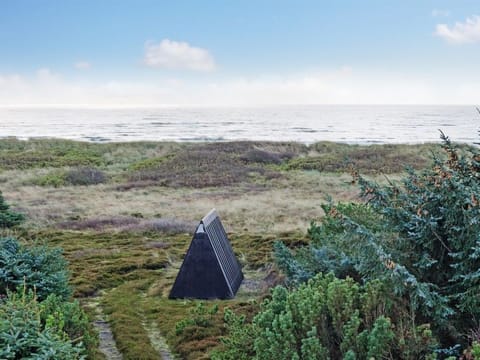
(307, 124)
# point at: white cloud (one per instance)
(178, 55)
(460, 33)
(340, 86)
(440, 13)
(82, 65)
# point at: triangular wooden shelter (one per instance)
(210, 269)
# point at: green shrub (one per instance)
(200, 316)
(69, 318)
(476, 350)
(39, 268)
(83, 175)
(419, 237)
(25, 335)
(8, 218)
(238, 345)
(54, 178)
(148, 164)
(37, 153)
(328, 318)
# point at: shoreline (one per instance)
(213, 140)
(304, 124)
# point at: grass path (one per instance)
(107, 345)
(157, 340)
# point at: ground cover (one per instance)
(124, 236)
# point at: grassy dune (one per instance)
(124, 215)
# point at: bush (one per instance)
(263, 157)
(387, 158)
(420, 239)
(328, 318)
(77, 176)
(69, 319)
(54, 178)
(40, 269)
(198, 332)
(8, 218)
(200, 316)
(29, 330)
(85, 176)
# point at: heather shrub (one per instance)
(85, 176)
(262, 156)
(163, 225)
(99, 223)
(200, 316)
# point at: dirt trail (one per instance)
(107, 343)
(157, 340)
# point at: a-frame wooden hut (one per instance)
(210, 269)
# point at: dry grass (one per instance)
(286, 204)
(125, 239)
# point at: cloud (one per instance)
(440, 13)
(170, 54)
(82, 65)
(461, 33)
(337, 86)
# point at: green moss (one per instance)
(125, 309)
(255, 250)
(100, 261)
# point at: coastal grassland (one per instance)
(125, 236)
(131, 274)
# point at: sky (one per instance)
(244, 52)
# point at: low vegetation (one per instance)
(123, 215)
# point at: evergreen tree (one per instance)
(420, 236)
(25, 335)
(38, 268)
(8, 218)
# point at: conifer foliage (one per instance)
(328, 318)
(8, 218)
(37, 268)
(403, 274)
(420, 236)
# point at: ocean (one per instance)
(305, 124)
